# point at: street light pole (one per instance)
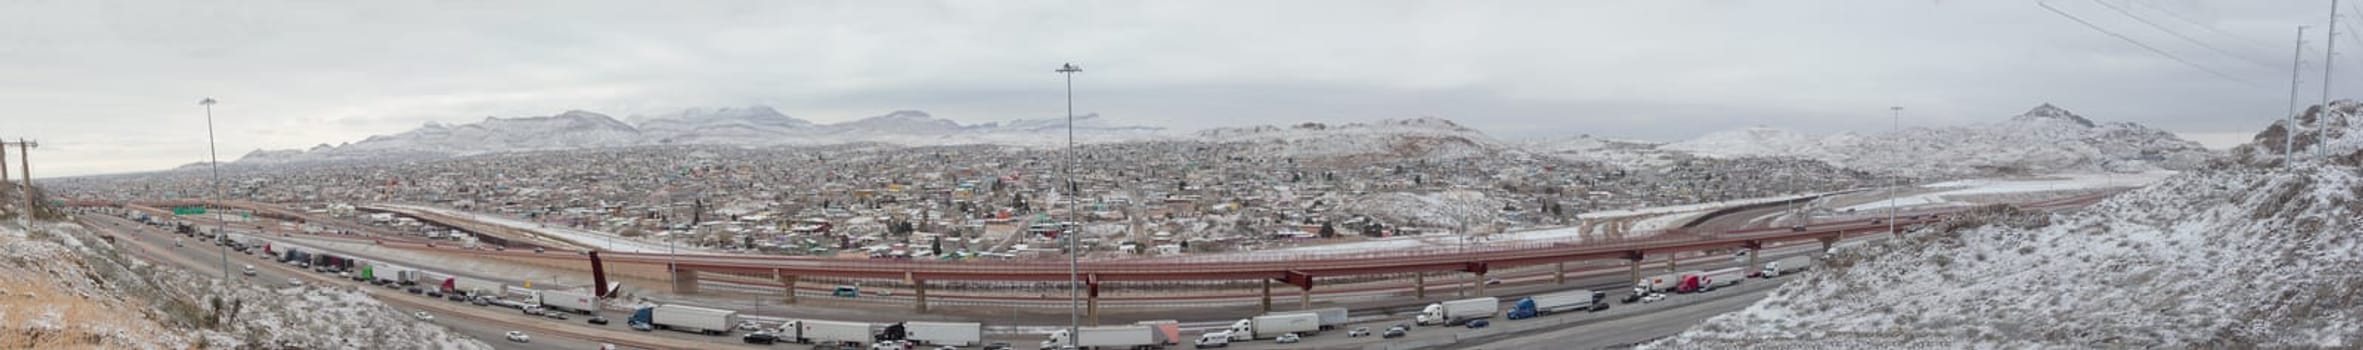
(220, 221)
(1074, 257)
(1898, 120)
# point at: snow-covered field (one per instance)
(1953, 193)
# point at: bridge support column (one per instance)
(684, 281)
(919, 295)
(1559, 274)
(1672, 262)
(1755, 251)
(1634, 267)
(1419, 285)
(1091, 303)
(788, 283)
(1826, 243)
(1481, 282)
(1267, 295)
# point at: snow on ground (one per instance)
(1672, 209)
(2243, 255)
(601, 240)
(1952, 193)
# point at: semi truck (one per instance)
(1708, 281)
(1170, 330)
(697, 319)
(1273, 325)
(944, 333)
(1552, 303)
(569, 301)
(1459, 311)
(1331, 318)
(828, 332)
(1664, 283)
(1109, 337)
(1786, 266)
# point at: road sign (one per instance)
(191, 210)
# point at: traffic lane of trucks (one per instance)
(1610, 331)
(541, 329)
(193, 255)
(1660, 318)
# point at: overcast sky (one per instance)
(112, 86)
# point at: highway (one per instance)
(482, 323)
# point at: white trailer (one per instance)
(832, 332)
(1273, 325)
(570, 301)
(1665, 282)
(1331, 318)
(1459, 311)
(1722, 277)
(1568, 301)
(1110, 337)
(1786, 266)
(944, 333)
(695, 319)
(477, 286)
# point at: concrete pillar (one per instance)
(1304, 298)
(1480, 284)
(1673, 264)
(919, 295)
(1419, 285)
(1559, 275)
(788, 282)
(1752, 255)
(684, 281)
(1091, 308)
(1267, 305)
(1635, 268)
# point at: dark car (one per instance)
(598, 320)
(434, 294)
(760, 338)
(1395, 332)
(415, 290)
(998, 346)
(455, 297)
(1475, 324)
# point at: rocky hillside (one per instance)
(2240, 253)
(2045, 139)
(65, 287)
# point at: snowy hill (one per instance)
(2046, 139)
(2238, 254)
(749, 125)
(1424, 137)
(1754, 142)
(1625, 153)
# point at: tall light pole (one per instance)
(1898, 119)
(1074, 257)
(220, 221)
(2297, 62)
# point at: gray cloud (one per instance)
(111, 86)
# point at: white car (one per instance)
(1288, 338)
(423, 316)
(249, 270)
(295, 282)
(520, 337)
(1358, 332)
(1653, 298)
(749, 325)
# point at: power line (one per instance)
(2193, 41)
(2193, 22)
(2155, 50)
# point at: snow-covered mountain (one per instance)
(742, 126)
(1626, 153)
(2243, 253)
(1754, 142)
(1423, 137)
(2046, 139)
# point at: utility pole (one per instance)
(24, 160)
(221, 221)
(2329, 50)
(1067, 231)
(1898, 112)
(2297, 62)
